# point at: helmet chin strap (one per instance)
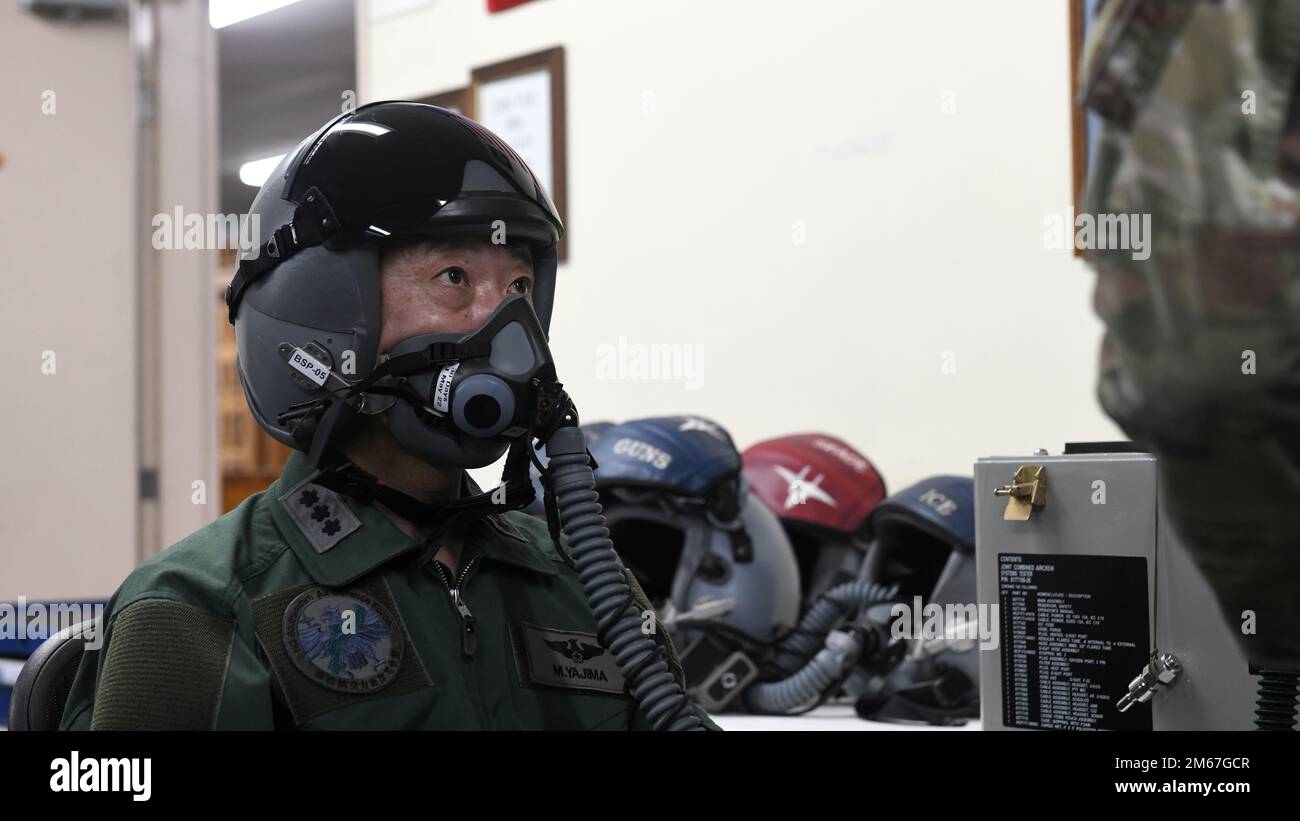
(319, 419)
(515, 491)
(340, 474)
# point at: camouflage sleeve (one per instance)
(640, 722)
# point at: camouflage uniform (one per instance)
(1201, 361)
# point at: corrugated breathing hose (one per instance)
(1275, 704)
(842, 600)
(811, 676)
(618, 623)
(810, 685)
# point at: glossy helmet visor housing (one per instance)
(824, 492)
(387, 171)
(1201, 361)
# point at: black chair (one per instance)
(41, 690)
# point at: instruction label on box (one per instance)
(1074, 634)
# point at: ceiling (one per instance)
(281, 76)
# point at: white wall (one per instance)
(68, 475)
(704, 136)
(67, 479)
(188, 174)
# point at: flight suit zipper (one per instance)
(468, 624)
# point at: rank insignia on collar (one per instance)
(320, 513)
(343, 640)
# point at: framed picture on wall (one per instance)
(521, 100)
(455, 100)
(1083, 124)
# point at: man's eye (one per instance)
(522, 285)
(455, 276)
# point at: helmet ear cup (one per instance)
(329, 300)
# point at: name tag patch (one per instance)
(565, 658)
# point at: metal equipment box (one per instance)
(1089, 582)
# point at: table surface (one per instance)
(830, 717)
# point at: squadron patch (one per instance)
(564, 658)
(343, 640)
(322, 516)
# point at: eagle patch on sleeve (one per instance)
(565, 658)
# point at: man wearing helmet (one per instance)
(428, 286)
(392, 330)
(1201, 362)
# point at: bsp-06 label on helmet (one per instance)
(442, 390)
(309, 366)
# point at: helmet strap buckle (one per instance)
(313, 223)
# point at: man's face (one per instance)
(440, 287)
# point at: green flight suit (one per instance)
(304, 609)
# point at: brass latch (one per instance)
(1027, 491)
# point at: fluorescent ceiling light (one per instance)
(222, 13)
(255, 173)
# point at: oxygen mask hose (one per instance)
(831, 608)
(618, 619)
(1275, 704)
